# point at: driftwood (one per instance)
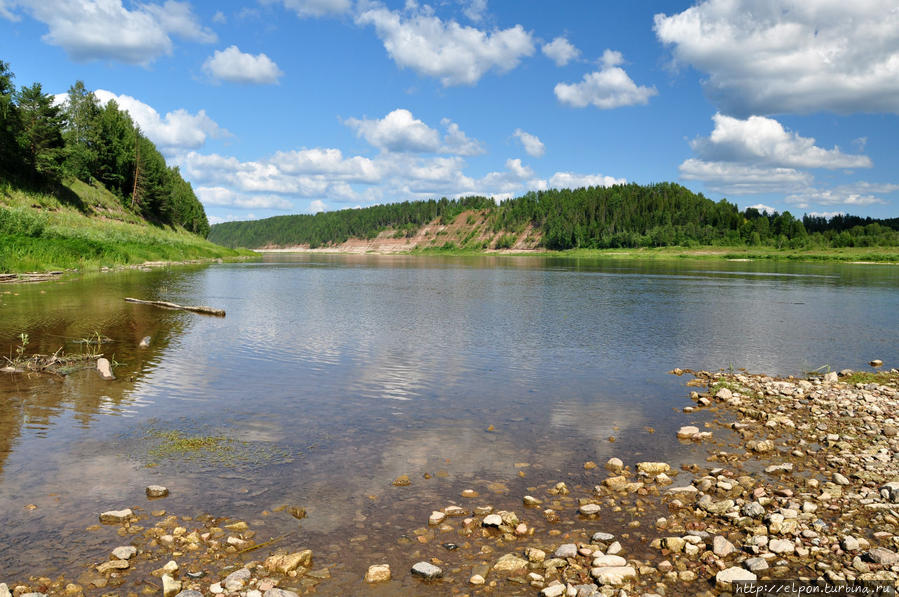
(32, 277)
(202, 309)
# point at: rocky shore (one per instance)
(800, 481)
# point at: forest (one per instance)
(621, 216)
(44, 144)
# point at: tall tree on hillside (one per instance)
(115, 161)
(40, 137)
(10, 159)
(81, 132)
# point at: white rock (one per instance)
(378, 573)
(721, 547)
(156, 491)
(613, 575)
(566, 550)
(116, 516)
(124, 552)
(492, 520)
(426, 570)
(589, 509)
(735, 573)
(236, 580)
(615, 465)
(553, 591)
(477, 579)
(687, 432)
(170, 586)
(781, 546)
(436, 518)
(608, 560)
(104, 368)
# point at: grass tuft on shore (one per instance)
(86, 231)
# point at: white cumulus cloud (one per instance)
(762, 140)
(178, 129)
(782, 56)
(315, 8)
(532, 144)
(455, 54)
(763, 208)
(107, 30)
(221, 196)
(400, 131)
(560, 50)
(571, 180)
(316, 205)
(744, 179)
(857, 194)
(235, 66)
(609, 87)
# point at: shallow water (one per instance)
(336, 374)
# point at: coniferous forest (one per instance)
(43, 144)
(622, 216)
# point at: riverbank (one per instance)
(856, 255)
(794, 479)
(88, 232)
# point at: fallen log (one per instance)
(201, 309)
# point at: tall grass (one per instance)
(38, 232)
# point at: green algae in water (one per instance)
(202, 448)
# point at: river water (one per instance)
(333, 375)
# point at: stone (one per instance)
(613, 575)
(753, 510)
(426, 571)
(534, 555)
(190, 593)
(104, 368)
(156, 491)
(756, 564)
(553, 591)
(477, 579)
(589, 509)
(601, 537)
(840, 479)
(237, 580)
(608, 560)
(721, 547)
(687, 432)
(653, 468)
(831, 377)
(890, 491)
(276, 592)
(378, 573)
(786, 467)
(724, 394)
(512, 564)
(144, 342)
(436, 518)
(566, 550)
(170, 586)
(614, 549)
(882, 556)
(617, 483)
(4, 590)
(402, 481)
(674, 544)
(492, 520)
(850, 543)
(876, 363)
(112, 565)
(287, 562)
(781, 546)
(531, 501)
(615, 465)
(724, 578)
(116, 516)
(124, 552)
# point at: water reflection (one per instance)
(362, 368)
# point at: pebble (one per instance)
(589, 509)
(566, 550)
(687, 432)
(600, 537)
(492, 520)
(104, 369)
(721, 547)
(116, 516)
(608, 560)
(276, 592)
(426, 571)
(378, 573)
(156, 491)
(170, 586)
(615, 464)
(613, 575)
(124, 552)
(728, 576)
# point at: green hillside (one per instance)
(622, 216)
(81, 187)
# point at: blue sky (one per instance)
(294, 106)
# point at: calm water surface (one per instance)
(339, 373)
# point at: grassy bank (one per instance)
(845, 254)
(86, 228)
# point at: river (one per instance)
(333, 375)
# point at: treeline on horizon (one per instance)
(43, 144)
(621, 216)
